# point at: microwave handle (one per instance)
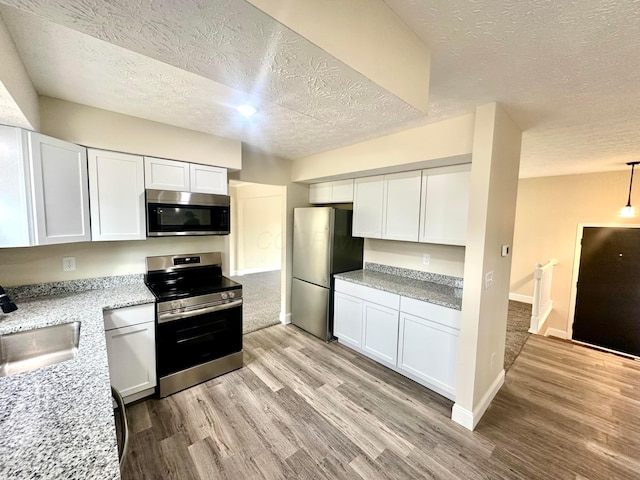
(170, 317)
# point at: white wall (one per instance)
(493, 190)
(26, 266)
(445, 259)
(99, 128)
(18, 97)
(548, 212)
(432, 145)
(257, 229)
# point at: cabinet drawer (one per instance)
(368, 294)
(127, 316)
(436, 313)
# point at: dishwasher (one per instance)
(122, 426)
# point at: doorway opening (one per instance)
(255, 250)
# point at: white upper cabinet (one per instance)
(116, 186)
(445, 205)
(60, 190)
(162, 174)
(16, 227)
(401, 208)
(208, 179)
(368, 197)
(340, 191)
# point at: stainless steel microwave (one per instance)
(171, 213)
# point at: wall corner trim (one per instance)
(516, 297)
(285, 318)
(468, 419)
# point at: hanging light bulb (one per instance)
(628, 211)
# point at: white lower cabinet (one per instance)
(415, 338)
(428, 351)
(380, 332)
(347, 319)
(131, 350)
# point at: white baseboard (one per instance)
(554, 332)
(249, 271)
(516, 297)
(468, 419)
(285, 318)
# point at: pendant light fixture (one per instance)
(628, 211)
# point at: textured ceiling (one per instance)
(567, 72)
(186, 66)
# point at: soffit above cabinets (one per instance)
(190, 67)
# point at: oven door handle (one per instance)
(170, 317)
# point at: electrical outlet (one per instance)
(426, 259)
(69, 264)
(488, 280)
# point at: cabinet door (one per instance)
(208, 179)
(347, 319)
(60, 190)
(132, 362)
(16, 227)
(380, 333)
(367, 207)
(116, 187)
(401, 217)
(320, 193)
(341, 191)
(429, 351)
(161, 174)
(445, 206)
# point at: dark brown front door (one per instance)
(608, 292)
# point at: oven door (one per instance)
(188, 339)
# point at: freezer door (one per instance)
(312, 233)
(310, 308)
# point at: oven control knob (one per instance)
(232, 294)
(224, 295)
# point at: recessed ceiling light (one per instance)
(246, 110)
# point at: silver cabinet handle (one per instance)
(170, 317)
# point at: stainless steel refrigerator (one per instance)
(322, 246)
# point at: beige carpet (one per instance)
(518, 322)
(261, 307)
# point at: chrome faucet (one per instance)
(5, 302)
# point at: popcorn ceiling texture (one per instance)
(566, 72)
(189, 66)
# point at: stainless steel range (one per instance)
(198, 319)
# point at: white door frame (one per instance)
(576, 267)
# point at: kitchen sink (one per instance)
(36, 348)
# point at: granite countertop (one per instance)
(447, 295)
(57, 421)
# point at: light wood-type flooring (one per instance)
(303, 409)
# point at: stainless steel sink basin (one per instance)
(32, 349)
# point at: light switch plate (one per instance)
(506, 250)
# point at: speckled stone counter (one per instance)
(447, 295)
(57, 422)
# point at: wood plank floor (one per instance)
(302, 409)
